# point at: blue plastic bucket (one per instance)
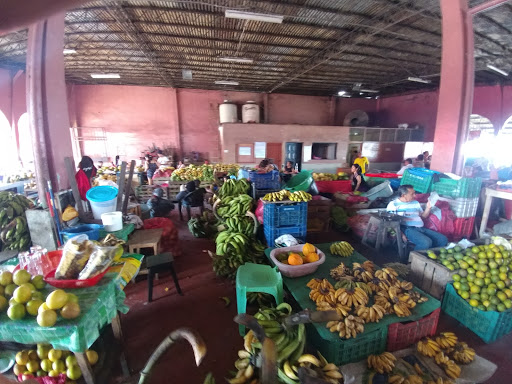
(91, 230)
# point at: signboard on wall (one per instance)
(260, 149)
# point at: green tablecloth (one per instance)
(121, 234)
(99, 305)
(299, 290)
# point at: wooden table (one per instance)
(146, 238)
(490, 194)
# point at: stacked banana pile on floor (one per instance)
(353, 291)
(284, 194)
(383, 363)
(227, 264)
(447, 351)
(204, 225)
(289, 344)
(239, 224)
(341, 248)
(230, 206)
(14, 231)
(232, 187)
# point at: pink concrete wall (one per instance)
(487, 102)
(418, 108)
(344, 105)
(295, 109)
(6, 93)
(506, 103)
(133, 117)
(19, 96)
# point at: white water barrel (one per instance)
(250, 112)
(227, 112)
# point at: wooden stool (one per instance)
(157, 264)
(383, 224)
(147, 238)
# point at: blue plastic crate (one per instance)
(272, 233)
(269, 180)
(285, 214)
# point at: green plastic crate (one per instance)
(342, 351)
(489, 326)
(465, 187)
(419, 178)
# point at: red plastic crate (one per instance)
(383, 175)
(334, 186)
(403, 335)
(463, 228)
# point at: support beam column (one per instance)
(456, 89)
(47, 102)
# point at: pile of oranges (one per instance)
(309, 255)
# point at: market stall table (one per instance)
(299, 290)
(99, 306)
(490, 194)
(146, 238)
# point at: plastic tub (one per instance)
(296, 270)
(381, 190)
(58, 283)
(91, 230)
(300, 182)
(112, 221)
(103, 199)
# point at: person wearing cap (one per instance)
(158, 206)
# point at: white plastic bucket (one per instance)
(112, 221)
(103, 199)
(101, 207)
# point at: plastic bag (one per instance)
(259, 211)
(100, 260)
(75, 255)
(286, 241)
(169, 241)
(33, 261)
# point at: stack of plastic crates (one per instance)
(463, 196)
(420, 178)
(285, 218)
(263, 183)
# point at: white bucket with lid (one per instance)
(103, 199)
(112, 221)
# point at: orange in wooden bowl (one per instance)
(312, 257)
(295, 259)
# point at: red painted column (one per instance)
(47, 102)
(456, 89)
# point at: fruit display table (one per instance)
(373, 339)
(99, 306)
(490, 194)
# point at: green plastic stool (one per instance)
(257, 278)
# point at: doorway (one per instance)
(293, 153)
(353, 149)
(275, 153)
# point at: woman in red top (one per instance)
(83, 177)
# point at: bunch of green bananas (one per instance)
(238, 224)
(341, 248)
(284, 194)
(231, 242)
(234, 206)
(227, 265)
(209, 379)
(232, 187)
(196, 227)
(13, 224)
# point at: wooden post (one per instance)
(120, 183)
(128, 188)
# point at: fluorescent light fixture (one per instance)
(369, 90)
(419, 80)
(226, 82)
(500, 71)
(105, 75)
(234, 14)
(69, 51)
(341, 93)
(236, 59)
(186, 74)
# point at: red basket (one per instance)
(463, 228)
(383, 175)
(402, 335)
(334, 186)
(50, 279)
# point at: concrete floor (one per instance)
(202, 309)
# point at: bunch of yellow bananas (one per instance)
(371, 314)
(428, 347)
(449, 366)
(324, 370)
(446, 340)
(383, 363)
(399, 379)
(462, 353)
(349, 327)
(341, 248)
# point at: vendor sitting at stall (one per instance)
(412, 224)
(158, 206)
(288, 171)
(407, 164)
(265, 166)
(358, 181)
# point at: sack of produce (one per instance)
(75, 255)
(100, 260)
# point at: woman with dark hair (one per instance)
(151, 168)
(83, 177)
(189, 187)
(358, 181)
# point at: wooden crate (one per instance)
(429, 275)
(144, 192)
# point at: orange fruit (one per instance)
(312, 257)
(295, 259)
(308, 248)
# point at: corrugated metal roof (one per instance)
(322, 46)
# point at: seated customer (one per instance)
(265, 166)
(407, 164)
(158, 206)
(189, 187)
(358, 181)
(412, 223)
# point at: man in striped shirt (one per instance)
(412, 223)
